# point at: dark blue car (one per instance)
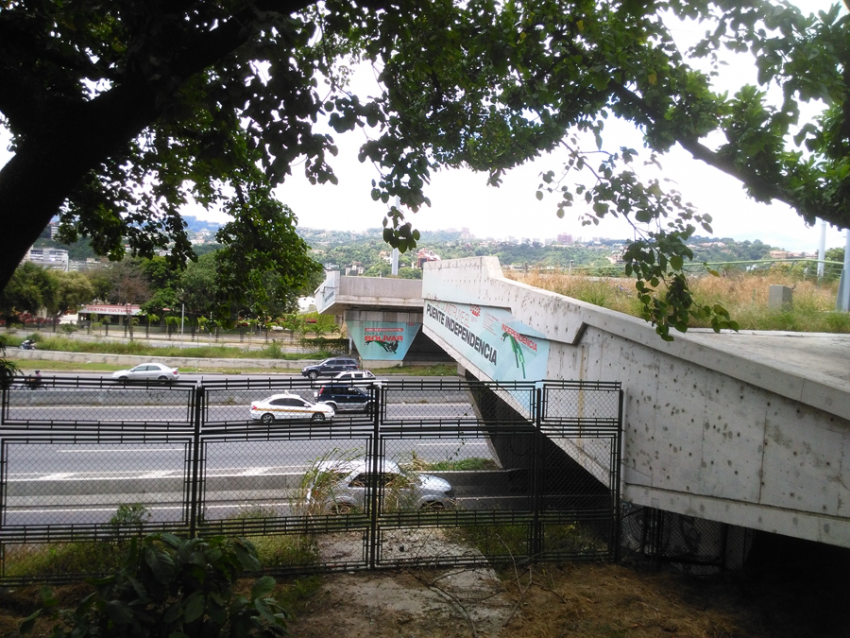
(345, 398)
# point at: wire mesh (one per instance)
(98, 484)
(698, 546)
(99, 405)
(414, 472)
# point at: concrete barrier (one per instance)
(465, 483)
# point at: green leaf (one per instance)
(262, 587)
(173, 612)
(118, 612)
(194, 607)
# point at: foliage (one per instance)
(30, 289)
(324, 346)
(129, 518)
(174, 587)
(133, 108)
(8, 369)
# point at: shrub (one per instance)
(174, 587)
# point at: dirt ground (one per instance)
(790, 596)
(581, 600)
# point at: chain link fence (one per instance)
(321, 476)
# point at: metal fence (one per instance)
(426, 472)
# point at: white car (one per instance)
(148, 372)
(341, 486)
(359, 377)
(289, 406)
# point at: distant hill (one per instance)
(195, 225)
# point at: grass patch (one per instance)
(512, 539)
(471, 464)
(60, 559)
(278, 550)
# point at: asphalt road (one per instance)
(77, 482)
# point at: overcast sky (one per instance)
(461, 199)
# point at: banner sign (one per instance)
(491, 338)
(382, 340)
(107, 309)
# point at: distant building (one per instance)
(565, 239)
(425, 256)
(784, 254)
(55, 258)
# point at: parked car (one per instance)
(330, 367)
(341, 486)
(345, 398)
(148, 372)
(359, 377)
(289, 406)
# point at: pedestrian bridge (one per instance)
(748, 429)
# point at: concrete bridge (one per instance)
(747, 429)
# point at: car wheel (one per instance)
(123, 378)
(331, 404)
(317, 416)
(162, 378)
(433, 506)
(313, 375)
(267, 418)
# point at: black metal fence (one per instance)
(411, 472)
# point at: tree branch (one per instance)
(752, 180)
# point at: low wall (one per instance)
(30, 491)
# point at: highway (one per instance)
(63, 483)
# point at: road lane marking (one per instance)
(157, 474)
(56, 477)
(142, 449)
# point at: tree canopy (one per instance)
(122, 111)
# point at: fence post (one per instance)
(537, 466)
(194, 488)
(615, 471)
(374, 483)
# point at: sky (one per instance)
(461, 198)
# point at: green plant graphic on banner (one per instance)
(519, 357)
(388, 347)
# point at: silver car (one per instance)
(341, 487)
(148, 372)
(359, 377)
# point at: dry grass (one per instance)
(745, 296)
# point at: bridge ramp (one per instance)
(749, 429)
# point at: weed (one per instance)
(274, 351)
(59, 559)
